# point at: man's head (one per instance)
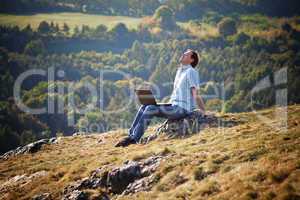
(189, 57)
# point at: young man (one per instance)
(183, 100)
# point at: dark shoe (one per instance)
(125, 142)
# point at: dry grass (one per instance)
(247, 161)
(254, 25)
(72, 19)
(203, 31)
(265, 27)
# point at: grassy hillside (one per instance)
(247, 161)
(72, 19)
(256, 48)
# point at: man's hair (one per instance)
(195, 58)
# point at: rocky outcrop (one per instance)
(20, 181)
(129, 178)
(76, 195)
(192, 124)
(29, 148)
(44, 196)
(79, 134)
(119, 178)
(139, 185)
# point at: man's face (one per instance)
(186, 57)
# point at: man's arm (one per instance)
(198, 99)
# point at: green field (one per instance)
(72, 19)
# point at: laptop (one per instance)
(146, 97)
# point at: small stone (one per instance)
(100, 140)
(76, 195)
(44, 196)
(79, 134)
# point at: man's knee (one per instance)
(142, 107)
(151, 109)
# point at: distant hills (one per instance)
(185, 9)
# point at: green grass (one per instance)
(72, 19)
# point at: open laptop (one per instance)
(146, 97)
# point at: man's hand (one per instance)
(198, 100)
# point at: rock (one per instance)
(53, 140)
(192, 124)
(143, 184)
(119, 178)
(100, 140)
(14, 181)
(29, 148)
(82, 195)
(76, 195)
(131, 177)
(79, 134)
(181, 127)
(150, 165)
(21, 180)
(44, 196)
(98, 179)
(87, 183)
(38, 174)
(76, 186)
(35, 146)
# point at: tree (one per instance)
(286, 27)
(3, 58)
(28, 28)
(121, 34)
(137, 49)
(7, 82)
(56, 28)
(101, 29)
(161, 76)
(8, 139)
(241, 38)
(165, 17)
(66, 28)
(35, 47)
(27, 137)
(76, 31)
(120, 29)
(227, 27)
(44, 27)
(52, 26)
(85, 29)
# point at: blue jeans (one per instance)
(147, 112)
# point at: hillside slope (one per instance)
(251, 160)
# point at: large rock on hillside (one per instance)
(29, 148)
(131, 177)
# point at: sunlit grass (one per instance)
(202, 31)
(72, 19)
(264, 26)
(250, 160)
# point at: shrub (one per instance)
(227, 27)
(165, 16)
(199, 174)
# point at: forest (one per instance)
(184, 9)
